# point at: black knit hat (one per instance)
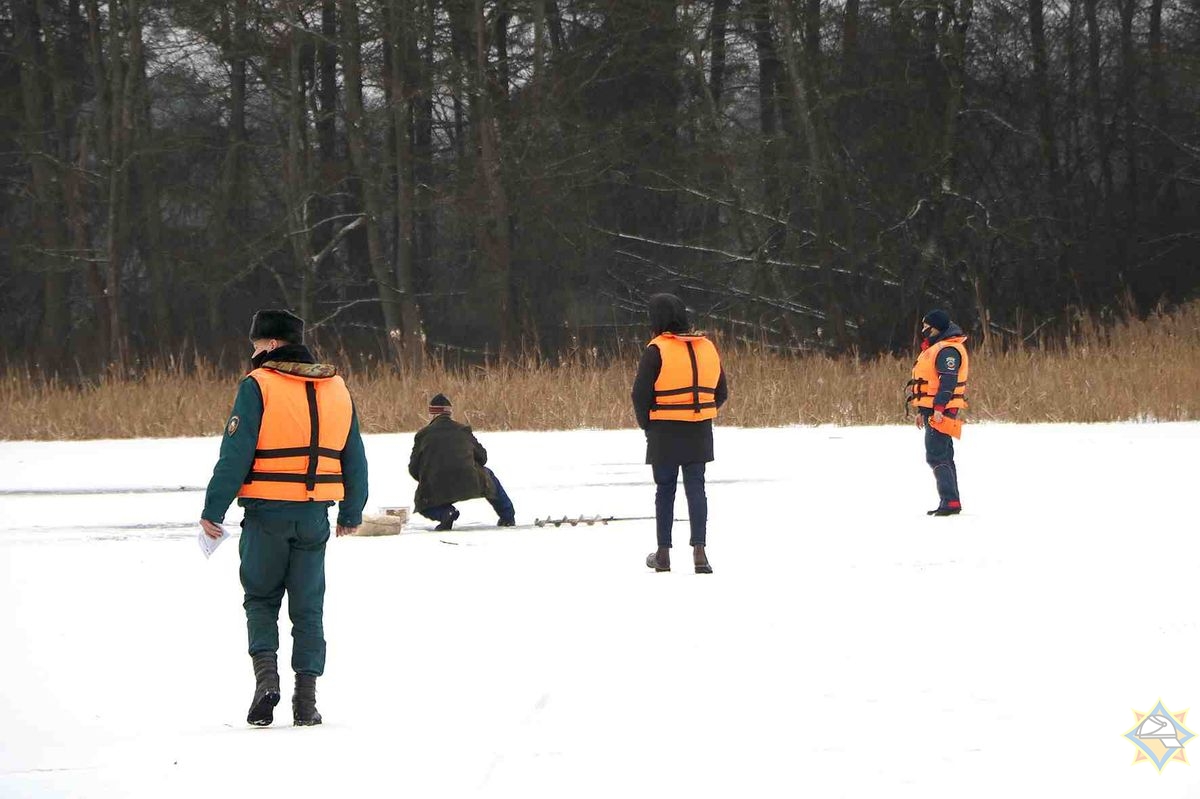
(282, 325)
(439, 404)
(937, 318)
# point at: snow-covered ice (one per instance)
(847, 645)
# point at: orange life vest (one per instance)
(925, 378)
(686, 388)
(305, 424)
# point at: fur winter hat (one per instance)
(282, 325)
(937, 318)
(440, 404)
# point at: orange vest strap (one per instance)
(917, 384)
(281, 477)
(314, 437)
(292, 452)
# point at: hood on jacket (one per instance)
(952, 330)
(667, 314)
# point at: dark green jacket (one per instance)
(237, 454)
(447, 463)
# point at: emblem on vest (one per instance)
(232, 427)
(951, 361)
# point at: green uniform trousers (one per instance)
(286, 552)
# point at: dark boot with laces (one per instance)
(304, 701)
(266, 689)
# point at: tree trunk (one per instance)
(1095, 100)
(297, 168)
(554, 22)
(824, 188)
(955, 49)
(539, 51)
(325, 122)
(228, 220)
(39, 154)
(946, 63)
(1166, 198)
(401, 20)
(35, 145)
(716, 37)
(357, 135)
(120, 159)
(148, 228)
(493, 232)
(1126, 91)
(1044, 94)
(768, 111)
(422, 153)
(74, 187)
(850, 23)
(102, 116)
(502, 74)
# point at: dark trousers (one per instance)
(939, 454)
(665, 479)
(286, 555)
(500, 503)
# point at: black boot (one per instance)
(700, 560)
(447, 521)
(660, 560)
(949, 509)
(266, 690)
(304, 701)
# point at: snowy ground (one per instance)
(846, 645)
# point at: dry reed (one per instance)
(1133, 370)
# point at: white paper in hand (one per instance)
(209, 545)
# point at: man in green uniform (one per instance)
(291, 448)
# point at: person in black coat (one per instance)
(450, 465)
(673, 444)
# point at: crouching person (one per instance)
(291, 449)
(449, 465)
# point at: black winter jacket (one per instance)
(671, 443)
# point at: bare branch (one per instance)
(341, 234)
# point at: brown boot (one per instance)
(700, 560)
(660, 560)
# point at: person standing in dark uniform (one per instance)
(938, 391)
(291, 449)
(450, 465)
(679, 387)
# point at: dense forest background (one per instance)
(468, 178)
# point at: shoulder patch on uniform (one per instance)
(951, 362)
(232, 427)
